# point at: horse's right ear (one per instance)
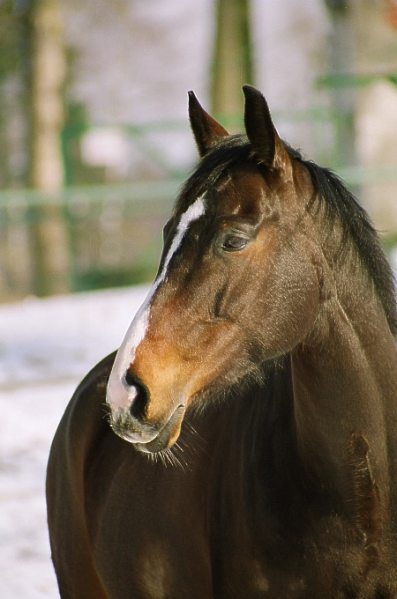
(264, 139)
(206, 130)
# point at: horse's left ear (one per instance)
(206, 130)
(264, 139)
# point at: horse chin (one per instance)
(165, 438)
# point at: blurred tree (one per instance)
(232, 58)
(9, 40)
(8, 55)
(342, 67)
(45, 76)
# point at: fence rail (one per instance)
(113, 232)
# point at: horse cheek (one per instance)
(290, 309)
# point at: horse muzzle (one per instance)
(128, 400)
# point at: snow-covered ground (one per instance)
(46, 347)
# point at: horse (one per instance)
(242, 442)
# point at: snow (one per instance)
(46, 347)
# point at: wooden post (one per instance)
(45, 93)
(232, 57)
(342, 64)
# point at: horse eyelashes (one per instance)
(233, 243)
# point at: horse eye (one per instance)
(233, 243)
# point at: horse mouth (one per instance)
(150, 440)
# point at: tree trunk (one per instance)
(342, 64)
(45, 93)
(232, 58)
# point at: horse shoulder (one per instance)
(83, 422)
(81, 429)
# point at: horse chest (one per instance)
(180, 544)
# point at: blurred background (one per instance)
(94, 145)
(94, 137)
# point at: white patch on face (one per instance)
(119, 395)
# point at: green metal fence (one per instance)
(113, 233)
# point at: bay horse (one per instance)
(242, 443)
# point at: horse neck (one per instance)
(345, 379)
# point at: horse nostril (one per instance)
(139, 403)
(130, 379)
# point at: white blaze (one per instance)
(118, 395)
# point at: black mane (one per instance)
(338, 201)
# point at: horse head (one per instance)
(239, 283)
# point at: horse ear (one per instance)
(264, 139)
(206, 130)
